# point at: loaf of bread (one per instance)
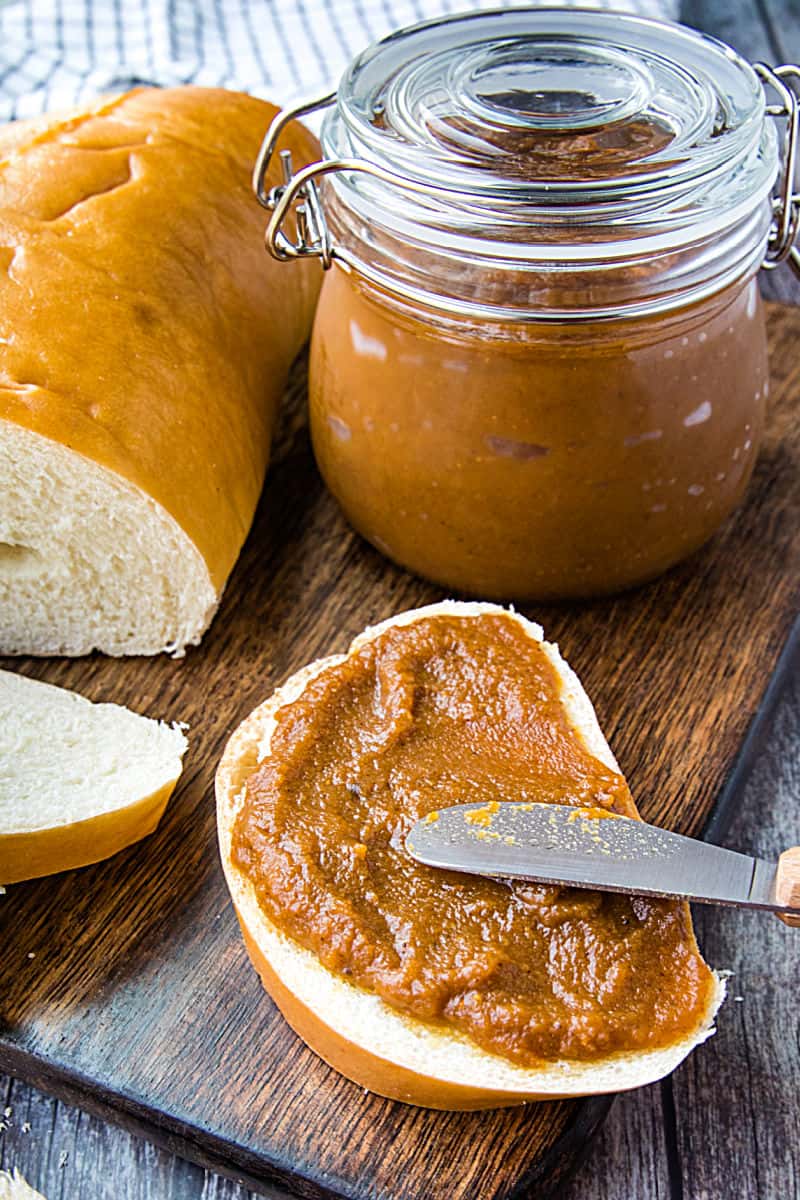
(357, 1031)
(78, 781)
(145, 339)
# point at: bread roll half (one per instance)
(355, 1030)
(78, 781)
(145, 339)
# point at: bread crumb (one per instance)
(26, 1127)
(7, 1112)
(63, 1159)
(14, 1187)
(738, 999)
(31, 954)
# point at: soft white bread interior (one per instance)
(88, 560)
(14, 1187)
(78, 781)
(356, 1031)
(145, 340)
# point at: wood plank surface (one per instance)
(752, 1148)
(125, 986)
(68, 1154)
(736, 1133)
(718, 1142)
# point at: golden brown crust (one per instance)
(64, 847)
(143, 324)
(363, 1067)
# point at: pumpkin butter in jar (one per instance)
(536, 461)
(538, 366)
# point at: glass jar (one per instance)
(538, 366)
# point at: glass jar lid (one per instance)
(541, 163)
(548, 104)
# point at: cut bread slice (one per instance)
(355, 1030)
(78, 781)
(88, 560)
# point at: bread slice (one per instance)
(356, 1031)
(145, 340)
(78, 781)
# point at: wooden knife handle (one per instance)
(787, 884)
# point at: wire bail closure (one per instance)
(313, 239)
(299, 192)
(782, 244)
(313, 236)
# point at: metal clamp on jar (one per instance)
(538, 367)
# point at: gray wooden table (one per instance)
(726, 1125)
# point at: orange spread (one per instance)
(446, 710)
(542, 460)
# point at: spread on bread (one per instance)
(462, 709)
(144, 345)
(460, 703)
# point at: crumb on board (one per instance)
(431, 817)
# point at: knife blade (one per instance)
(592, 848)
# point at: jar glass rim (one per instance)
(519, 143)
(451, 102)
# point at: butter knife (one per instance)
(592, 848)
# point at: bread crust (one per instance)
(38, 852)
(323, 1008)
(82, 779)
(142, 323)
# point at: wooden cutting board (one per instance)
(125, 987)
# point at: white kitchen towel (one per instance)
(58, 53)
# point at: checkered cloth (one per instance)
(58, 53)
